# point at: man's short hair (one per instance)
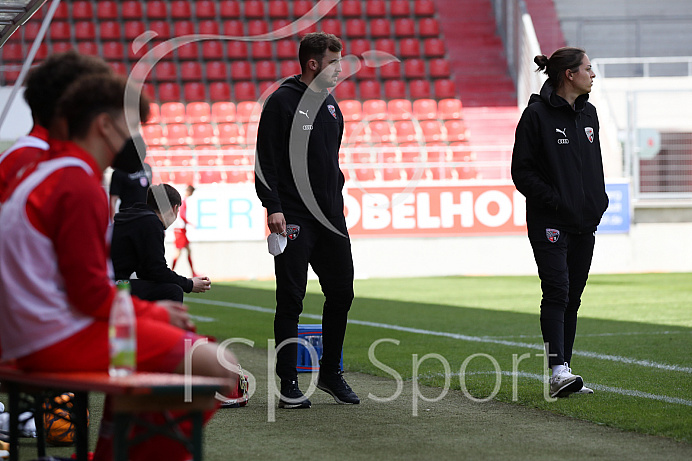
(92, 95)
(46, 83)
(315, 45)
(155, 200)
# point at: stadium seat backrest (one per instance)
(374, 109)
(198, 112)
(399, 109)
(247, 111)
(173, 112)
(425, 109)
(223, 111)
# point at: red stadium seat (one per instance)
(289, 68)
(387, 45)
(208, 27)
(61, 47)
(449, 109)
(391, 172)
(106, 10)
(182, 28)
(222, 112)
(234, 28)
(399, 109)
(247, 111)
(380, 131)
(286, 49)
(202, 133)
(42, 51)
(434, 48)
(394, 89)
(181, 9)
(257, 27)
(82, 10)
(278, 8)
(380, 28)
(345, 90)
(351, 8)
(169, 92)
(237, 50)
(133, 29)
(265, 70)
(267, 87)
(399, 8)
(87, 48)
(181, 177)
(241, 70)
(445, 88)
(331, 26)
(432, 130)
(210, 177)
(374, 109)
(262, 50)
(351, 109)
(30, 29)
(245, 91)
(419, 89)
(207, 156)
(364, 73)
(154, 113)
(153, 135)
(370, 89)
(12, 52)
(304, 26)
(456, 130)
(109, 30)
(188, 51)
(391, 70)
(190, 70)
(118, 67)
(404, 27)
(216, 71)
(166, 71)
(424, 8)
(156, 157)
(414, 68)
(173, 112)
(409, 48)
(220, 91)
(229, 9)
(198, 112)
(301, 7)
(156, 9)
(195, 91)
(279, 24)
(206, 9)
(354, 133)
(212, 50)
(428, 27)
(229, 133)
(375, 9)
(356, 28)
(425, 109)
(364, 171)
(439, 68)
(60, 30)
(359, 46)
(177, 135)
(131, 9)
(405, 131)
(141, 51)
(254, 9)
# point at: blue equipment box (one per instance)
(312, 333)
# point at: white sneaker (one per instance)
(584, 390)
(565, 383)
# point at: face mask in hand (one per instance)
(131, 157)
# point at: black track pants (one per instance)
(563, 267)
(329, 254)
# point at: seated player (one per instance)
(138, 247)
(55, 288)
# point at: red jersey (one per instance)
(23, 153)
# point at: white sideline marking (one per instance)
(477, 339)
(598, 335)
(597, 387)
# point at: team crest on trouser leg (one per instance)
(292, 231)
(552, 234)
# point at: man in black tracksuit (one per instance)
(557, 166)
(300, 184)
(137, 246)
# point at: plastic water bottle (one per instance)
(122, 332)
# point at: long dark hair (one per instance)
(567, 58)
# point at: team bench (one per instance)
(140, 392)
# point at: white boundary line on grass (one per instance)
(477, 339)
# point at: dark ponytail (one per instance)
(560, 61)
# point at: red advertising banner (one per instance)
(435, 211)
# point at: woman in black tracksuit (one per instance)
(557, 166)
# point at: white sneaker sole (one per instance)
(584, 390)
(568, 388)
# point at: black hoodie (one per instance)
(557, 165)
(298, 117)
(137, 246)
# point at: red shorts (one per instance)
(181, 240)
(160, 348)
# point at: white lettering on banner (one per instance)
(519, 209)
(404, 212)
(448, 209)
(352, 211)
(482, 208)
(425, 221)
(376, 214)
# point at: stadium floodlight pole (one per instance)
(29, 59)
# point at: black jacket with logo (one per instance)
(137, 246)
(557, 164)
(298, 143)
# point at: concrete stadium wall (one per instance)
(648, 247)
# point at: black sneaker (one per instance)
(335, 385)
(291, 397)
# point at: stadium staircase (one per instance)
(446, 87)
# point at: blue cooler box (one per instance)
(313, 335)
